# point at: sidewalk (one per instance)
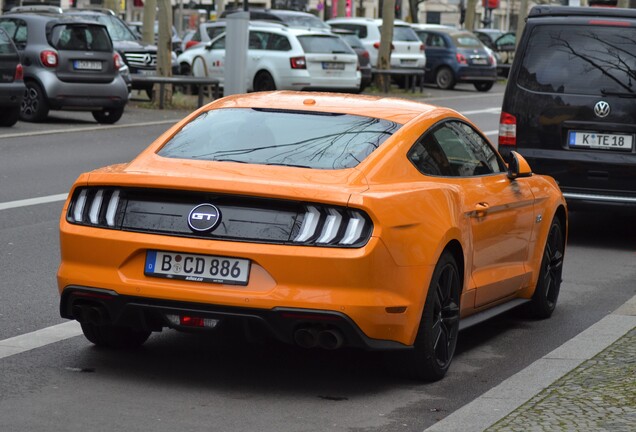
(587, 384)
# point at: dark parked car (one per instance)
(364, 61)
(141, 58)
(11, 81)
(569, 102)
(503, 44)
(454, 56)
(137, 27)
(69, 64)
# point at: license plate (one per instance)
(147, 72)
(579, 139)
(480, 61)
(197, 268)
(87, 65)
(333, 66)
(408, 62)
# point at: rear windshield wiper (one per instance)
(619, 94)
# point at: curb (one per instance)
(506, 397)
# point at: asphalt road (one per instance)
(193, 382)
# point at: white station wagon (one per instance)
(281, 58)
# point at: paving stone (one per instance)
(599, 395)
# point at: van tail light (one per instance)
(298, 63)
(491, 60)
(19, 73)
(118, 61)
(461, 59)
(422, 47)
(49, 58)
(366, 55)
(507, 129)
(377, 46)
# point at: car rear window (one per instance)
(404, 34)
(580, 59)
(324, 45)
(278, 137)
(466, 41)
(80, 37)
(353, 41)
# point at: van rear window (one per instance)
(579, 59)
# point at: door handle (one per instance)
(481, 209)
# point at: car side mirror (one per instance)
(518, 167)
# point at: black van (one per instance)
(570, 102)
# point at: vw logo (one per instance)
(601, 109)
(204, 217)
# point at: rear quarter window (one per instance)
(579, 59)
(404, 34)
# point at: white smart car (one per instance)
(282, 58)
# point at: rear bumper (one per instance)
(361, 285)
(71, 95)
(477, 74)
(109, 308)
(587, 177)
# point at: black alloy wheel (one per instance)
(436, 338)
(263, 81)
(34, 106)
(546, 293)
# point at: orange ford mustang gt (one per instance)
(328, 220)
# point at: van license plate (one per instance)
(197, 268)
(580, 139)
(87, 65)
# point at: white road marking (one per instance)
(483, 111)
(88, 129)
(33, 201)
(39, 338)
(445, 98)
(490, 133)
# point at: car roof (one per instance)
(376, 21)
(393, 109)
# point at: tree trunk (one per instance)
(164, 47)
(414, 10)
(150, 13)
(386, 41)
(469, 24)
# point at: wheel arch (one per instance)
(261, 70)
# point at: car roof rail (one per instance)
(36, 9)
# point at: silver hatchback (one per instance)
(69, 64)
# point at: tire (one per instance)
(445, 79)
(185, 69)
(34, 107)
(484, 86)
(108, 115)
(199, 68)
(114, 337)
(9, 116)
(263, 81)
(436, 338)
(546, 293)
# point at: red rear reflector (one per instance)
(507, 129)
(610, 23)
(19, 73)
(191, 321)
